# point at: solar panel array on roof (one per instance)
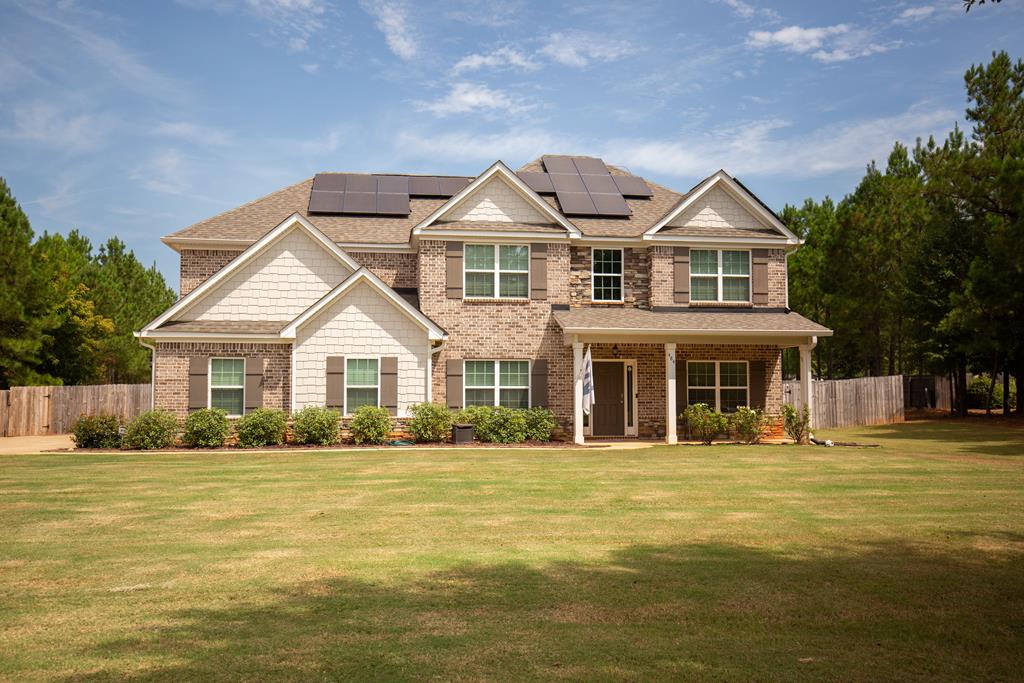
(583, 186)
(378, 195)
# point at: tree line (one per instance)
(67, 311)
(921, 268)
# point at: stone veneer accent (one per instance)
(172, 360)
(395, 269)
(636, 289)
(199, 264)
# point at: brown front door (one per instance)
(608, 414)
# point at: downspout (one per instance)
(152, 370)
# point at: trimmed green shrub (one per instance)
(704, 422)
(495, 424)
(797, 423)
(748, 424)
(97, 431)
(977, 393)
(261, 427)
(540, 422)
(152, 429)
(371, 424)
(316, 425)
(430, 422)
(206, 428)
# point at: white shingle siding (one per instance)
(361, 323)
(495, 202)
(286, 279)
(716, 209)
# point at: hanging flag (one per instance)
(589, 395)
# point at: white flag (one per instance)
(589, 395)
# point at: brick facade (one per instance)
(199, 264)
(636, 282)
(395, 269)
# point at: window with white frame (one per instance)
(497, 383)
(719, 275)
(362, 383)
(497, 271)
(723, 385)
(227, 385)
(606, 274)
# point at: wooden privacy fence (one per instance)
(34, 411)
(851, 402)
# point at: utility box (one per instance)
(462, 433)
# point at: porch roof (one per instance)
(760, 322)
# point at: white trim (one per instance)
(214, 243)
(692, 331)
(373, 248)
(210, 387)
(724, 242)
(720, 278)
(498, 168)
(344, 396)
(485, 233)
(497, 272)
(213, 337)
(361, 275)
(621, 276)
(497, 386)
(718, 381)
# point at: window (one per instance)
(362, 383)
(719, 275)
(720, 384)
(227, 385)
(606, 265)
(497, 271)
(497, 383)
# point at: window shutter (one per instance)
(389, 383)
(253, 383)
(759, 276)
(627, 284)
(335, 382)
(453, 269)
(539, 383)
(454, 383)
(756, 384)
(681, 275)
(538, 271)
(198, 381)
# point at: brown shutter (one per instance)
(627, 285)
(756, 384)
(198, 379)
(253, 383)
(389, 383)
(335, 382)
(539, 384)
(681, 275)
(759, 276)
(453, 269)
(538, 271)
(454, 383)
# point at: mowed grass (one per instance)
(726, 563)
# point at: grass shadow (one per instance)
(972, 435)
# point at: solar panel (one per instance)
(559, 165)
(563, 182)
(325, 202)
(361, 183)
(632, 186)
(590, 165)
(392, 204)
(610, 204)
(452, 186)
(360, 202)
(393, 184)
(331, 182)
(600, 183)
(538, 182)
(576, 203)
(424, 186)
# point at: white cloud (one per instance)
(311, 68)
(393, 21)
(486, 13)
(826, 44)
(745, 10)
(915, 13)
(164, 172)
(192, 132)
(580, 48)
(795, 38)
(464, 98)
(49, 126)
(503, 57)
(297, 44)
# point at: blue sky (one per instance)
(139, 118)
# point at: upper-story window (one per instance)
(606, 274)
(719, 275)
(497, 271)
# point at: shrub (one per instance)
(371, 424)
(97, 431)
(206, 428)
(704, 422)
(540, 422)
(748, 423)
(796, 422)
(977, 393)
(430, 422)
(261, 427)
(316, 425)
(496, 424)
(152, 429)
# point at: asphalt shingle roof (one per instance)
(695, 320)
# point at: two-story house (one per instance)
(351, 289)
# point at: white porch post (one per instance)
(670, 393)
(577, 392)
(806, 392)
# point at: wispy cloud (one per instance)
(50, 126)
(826, 44)
(292, 23)
(464, 98)
(193, 132)
(746, 10)
(501, 58)
(392, 19)
(580, 48)
(513, 146)
(164, 172)
(486, 12)
(311, 68)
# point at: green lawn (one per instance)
(733, 563)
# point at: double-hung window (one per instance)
(227, 385)
(719, 275)
(497, 383)
(606, 266)
(722, 385)
(362, 383)
(497, 271)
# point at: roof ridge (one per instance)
(400, 175)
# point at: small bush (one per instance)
(206, 428)
(796, 422)
(977, 393)
(261, 427)
(496, 424)
(430, 422)
(748, 424)
(704, 422)
(371, 424)
(316, 425)
(97, 431)
(152, 429)
(540, 422)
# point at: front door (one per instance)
(608, 412)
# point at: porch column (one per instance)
(577, 392)
(670, 393)
(806, 392)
